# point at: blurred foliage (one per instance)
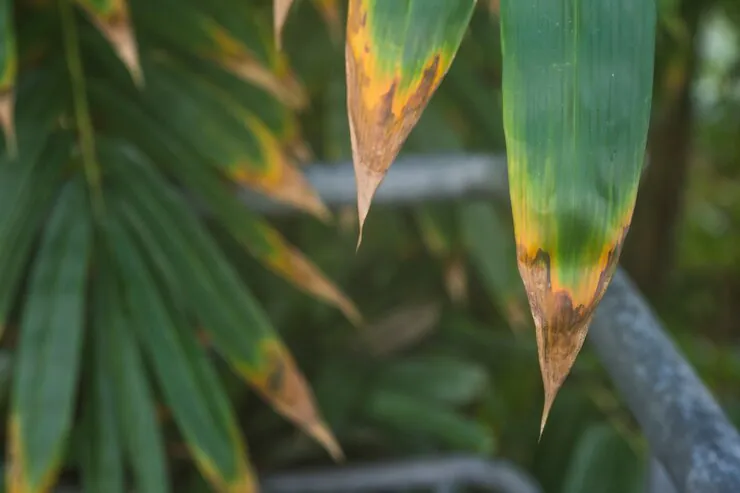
(446, 360)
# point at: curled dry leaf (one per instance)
(112, 18)
(280, 382)
(8, 72)
(576, 127)
(396, 55)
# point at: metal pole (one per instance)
(687, 430)
(498, 476)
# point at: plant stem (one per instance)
(81, 107)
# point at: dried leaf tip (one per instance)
(320, 432)
(367, 181)
(560, 336)
(115, 23)
(280, 9)
(7, 103)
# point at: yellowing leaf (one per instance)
(290, 263)
(279, 381)
(235, 56)
(397, 53)
(282, 178)
(112, 19)
(577, 86)
(8, 72)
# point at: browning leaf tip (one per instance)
(320, 432)
(368, 182)
(7, 122)
(280, 9)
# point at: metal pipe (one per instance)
(499, 476)
(687, 430)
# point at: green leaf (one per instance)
(439, 379)
(493, 254)
(603, 462)
(223, 32)
(137, 413)
(27, 187)
(195, 396)
(8, 72)
(189, 257)
(397, 53)
(50, 344)
(102, 460)
(577, 88)
(421, 417)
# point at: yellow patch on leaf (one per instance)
(280, 179)
(16, 480)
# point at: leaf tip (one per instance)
(280, 9)
(7, 104)
(368, 182)
(320, 432)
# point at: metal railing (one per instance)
(687, 431)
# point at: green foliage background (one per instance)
(447, 361)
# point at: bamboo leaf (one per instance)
(493, 253)
(224, 305)
(194, 395)
(223, 32)
(604, 462)
(397, 53)
(577, 85)
(49, 348)
(102, 460)
(112, 18)
(27, 187)
(248, 152)
(254, 234)
(8, 72)
(136, 419)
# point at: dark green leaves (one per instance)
(189, 384)
(50, 346)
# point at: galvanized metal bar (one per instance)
(497, 476)
(657, 480)
(686, 428)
